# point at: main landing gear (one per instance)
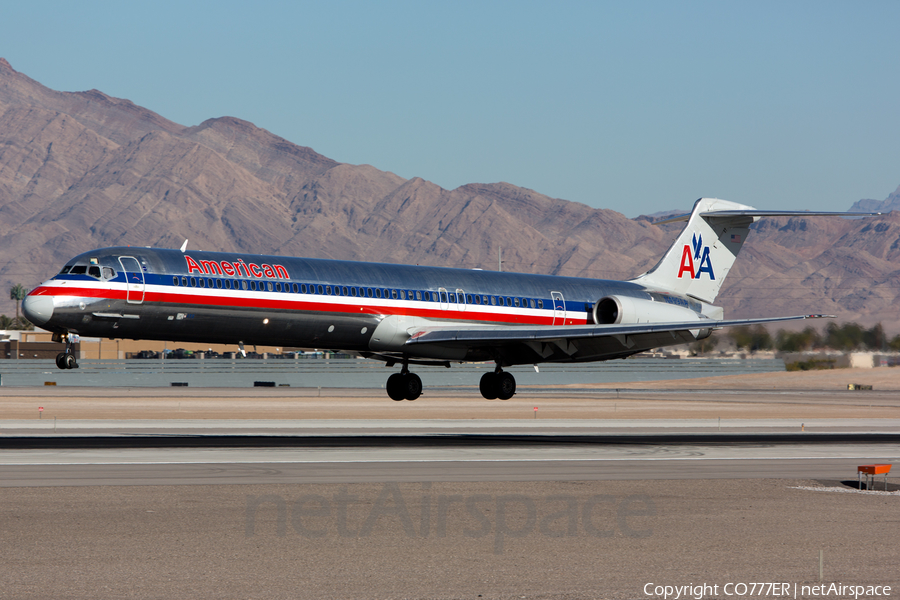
(408, 386)
(404, 385)
(498, 384)
(66, 360)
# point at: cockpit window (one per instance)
(78, 270)
(65, 269)
(94, 271)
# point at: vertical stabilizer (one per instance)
(702, 255)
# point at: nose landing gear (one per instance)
(66, 360)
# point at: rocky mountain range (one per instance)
(81, 170)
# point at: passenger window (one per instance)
(320, 289)
(394, 294)
(193, 282)
(327, 290)
(270, 287)
(345, 290)
(353, 291)
(378, 292)
(302, 288)
(418, 295)
(175, 281)
(277, 286)
(219, 283)
(516, 302)
(184, 281)
(532, 302)
(493, 300)
(295, 287)
(370, 293)
(244, 284)
(540, 303)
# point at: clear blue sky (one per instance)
(635, 106)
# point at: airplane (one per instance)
(402, 314)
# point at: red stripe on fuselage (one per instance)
(471, 313)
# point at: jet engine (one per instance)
(625, 310)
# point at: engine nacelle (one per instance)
(625, 310)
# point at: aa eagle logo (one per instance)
(695, 260)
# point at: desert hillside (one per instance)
(80, 170)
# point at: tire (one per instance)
(69, 361)
(61, 360)
(395, 387)
(506, 386)
(488, 386)
(412, 386)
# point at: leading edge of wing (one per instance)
(505, 334)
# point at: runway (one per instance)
(124, 459)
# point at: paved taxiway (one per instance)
(257, 467)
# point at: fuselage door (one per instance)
(445, 298)
(460, 299)
(134, 279)
(559, 308)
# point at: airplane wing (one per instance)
(578, 342)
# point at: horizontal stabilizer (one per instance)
(766, 213)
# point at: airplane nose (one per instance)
(38, 309)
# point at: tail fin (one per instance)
(702, 255)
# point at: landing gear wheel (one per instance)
(395, 387)
(69, 361)
(61, 360)
(412, 386)
(488, 386)
(506, 385)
